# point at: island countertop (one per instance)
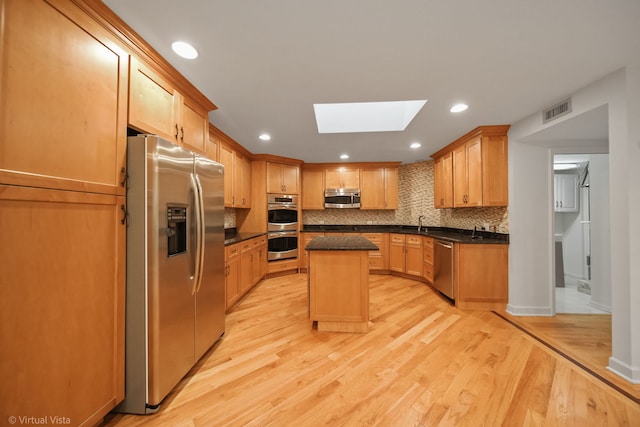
(341, 243)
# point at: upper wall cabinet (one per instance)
(64, 99)
(282, 178)
(443, 181)
(379, 188)
(342, 177)
(155, 106)
(472, 171)
(313, 189)
(566, 192)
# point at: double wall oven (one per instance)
(282, 226)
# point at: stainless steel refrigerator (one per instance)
(175, 267)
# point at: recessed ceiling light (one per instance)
(185, 50)
(415, 145)
(459, 108)
(344, 156)
(265, 137)
(351, 117)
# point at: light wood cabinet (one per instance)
(479, 169)
(62, 166)
(379, 188)
(61, 303)
(245, 266)
(282, 178)
(155, 106)
(212, 149)
(232, 275)
(52, 134)
(443, 181)
(467, 174)
(312, 189)
(481, 276)
(339, 290)
(237, 177)
(241, 181)
(427, 253)
(566, 192)
(342, 177)
(378, 260)
(405, 254)
(225, 156)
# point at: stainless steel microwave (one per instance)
(342, 198)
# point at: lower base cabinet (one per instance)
(245, 266)
(481, 276)
(62, 289)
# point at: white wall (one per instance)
(600, 231)
(531, 221)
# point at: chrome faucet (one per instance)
(420, 218)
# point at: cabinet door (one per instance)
(333, 178)
(482, 274)
(194, 127)
(443, 181)
(274, 178)
(459, 161)
(372, 190)
(232, 275)
(391, 188)
(495, 179)
(414, 258)
(246, 269)
(396, 253)
(61, 303)
(474, 172)
(241, 181)
(290, 179)
(342, 178)
(312, 189)
(212, 149)
(63, 92)
(153, 102)
(566, 192)
(226, 158)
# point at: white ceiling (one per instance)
(265, 63)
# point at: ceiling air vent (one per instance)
(558, 110)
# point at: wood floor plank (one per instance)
(423, 362)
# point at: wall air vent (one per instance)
(557, 111)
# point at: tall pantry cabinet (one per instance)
(63, 121)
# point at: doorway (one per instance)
(576, 177)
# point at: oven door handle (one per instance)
(282, 207)
(282, 234)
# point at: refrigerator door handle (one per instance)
(198, 220)
(200, 227)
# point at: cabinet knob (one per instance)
(176, 135)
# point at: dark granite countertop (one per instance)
(341, 243)
(231, 236)
(454, 235)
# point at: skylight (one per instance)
(366, 116)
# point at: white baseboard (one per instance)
(628, 372)
(529, 311)
(600, 307)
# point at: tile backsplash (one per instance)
(415, 198)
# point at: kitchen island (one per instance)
(338, 280)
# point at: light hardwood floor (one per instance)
(423, 362)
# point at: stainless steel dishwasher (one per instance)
(443, 267)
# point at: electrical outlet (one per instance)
(369, 222)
